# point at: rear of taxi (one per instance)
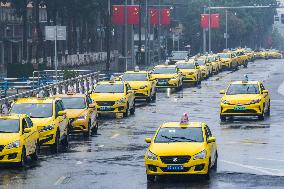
(189, 156)
(226, 60)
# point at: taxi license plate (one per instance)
(174, 167)
(162, 83)
(240, 108)
(105, 108)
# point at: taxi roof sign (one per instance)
(184, 119)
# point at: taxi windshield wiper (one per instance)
(184, 138)
(5, 132)
(170, 138)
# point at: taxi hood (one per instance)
(163, 76)
(177, 148)
(74, 113)
(42, 121)
(138, 84)
(225, 59)
(107, 96)
(7, 138)
(241, 98)
(187, 70)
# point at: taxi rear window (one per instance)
(9, 126)
(179, 134)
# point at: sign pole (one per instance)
(55, 55)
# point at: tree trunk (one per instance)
(25, 32)
(39, 50)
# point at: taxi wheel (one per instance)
(261, 117)
(87, 134)
(23, 158)
(154, 97)
(148, 99)
(132, 110)
(207, 175)
(55, 147)
(34, 156)
(65, 142)
(95, 128)
(268, 110)
(222, 118)
(150, 178)
(215, 162)
(125, 114)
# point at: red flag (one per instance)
(215, 21)
(118, 14)
(165, 16)
(204, 21)
(133, 14)
(154, 16)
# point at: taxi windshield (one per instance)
(224, 55)
(211, 59)
(109, 88)
(179, 134)
(200, 62)
(9, 126)
(74, 102)
(179, 55)
(243, 89)
(134, 77)
(186, 66)
(34, 110)
(165, 70)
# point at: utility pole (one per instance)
(146, 34)
(108, 37)
(159, 32)
(204, 34)
(209, 9)
(140, 33)
(125, 36)
(226, 36)
(132, 42)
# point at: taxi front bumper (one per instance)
(12, 155)
(167, 83)
(244, 110)
(47, 138)
(142, 93)
(192, 167)
(116, 108)
(78, 125)
(189, 78)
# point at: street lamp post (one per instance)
(226, 36)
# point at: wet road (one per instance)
(251, 152)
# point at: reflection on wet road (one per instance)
(250, 151)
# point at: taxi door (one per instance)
(265, 96)
(212, 146)
(61, 120)
(91, 111)
(33, 134)
(27, 137)
(153, 84)
(130, 96)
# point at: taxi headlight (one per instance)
(47, 128)
(15, 144)
(151, 155)
(82, 118)
(225, 102)
(143, 87)
(121, 101)
(255, 101)
(200, 155)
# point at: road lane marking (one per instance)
(100, 146)
(114, 136)
(270, 159)
(60, 180)
(281, 89)
(260, 169)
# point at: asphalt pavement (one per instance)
(250, 152)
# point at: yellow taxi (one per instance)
(181, 148)
(245, 98)
(141, 84)
(250, 53)
(48, 115)
(19, 139)
(244, 59)
(216, 63)
(229, 60)
(190, 71)
(205, 67)
(167, 76)
(114, 97)
(272, 53)
(81, 112)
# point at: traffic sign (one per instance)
(52, 31)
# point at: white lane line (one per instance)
(259, 169)
(60, 180)
(267, 159)
(114, 136)
(100, 146)
(281, 89)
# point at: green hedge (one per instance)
(22, 70)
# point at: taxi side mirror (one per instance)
(61, 113)
(148, 140)
(211, 140)
(92, 105)
(265, 91)
(222, 92)
(27, 130)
